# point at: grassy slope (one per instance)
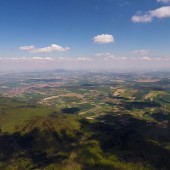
(14, 112)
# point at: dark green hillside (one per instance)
(63, 141)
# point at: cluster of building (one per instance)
(21, 90)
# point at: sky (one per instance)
(115, 35)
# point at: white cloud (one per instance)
(52, 48)
(146, 58)
(163, 1)
(163, 12)
(27, 48)
(141, 52)
(103, 54)
(83, 59)
(41, 58)
(109, 57)
(142, 18)
(103, 39)
(37, 58)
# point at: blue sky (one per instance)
(87, 34)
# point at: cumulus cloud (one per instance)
(142, 18)
(27, 48)
(51, 48)
(163, 1)
(103, 39)
(163, 12)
